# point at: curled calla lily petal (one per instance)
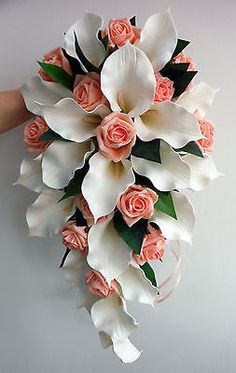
(128, 81)
(110, 316)
(108, 254)
(75, 267)
(86, 30)
(136, 287)
(61, 159)
(39, 91)
(172, 173)
(158, 39)
(68, 119)
(203, 171)
(169, 122)
(31, 174)
(46, 215)
(200, 98)
(180, 228)
(104, 182)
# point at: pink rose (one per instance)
(75, 238)
(32, 133)
(87, 91)
(207, 130)
(116, 135)
(83, 206)
(136, 203)
(120, 31)
(55, 57)
(153, 247)
(183, 58)
(98, 285)
(164, 89)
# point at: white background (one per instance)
(194, 331)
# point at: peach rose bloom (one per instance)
(55, 57)
(87, 91)
(153, 247)
(207, 130)
(98, 285)
(116, 135)
(136, 203)
(184, 58)
(120, 31)
(74, 238)
(32, 133)
(164, 89)
(83, 206)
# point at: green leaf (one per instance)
(183, 81)
(74, 64)
(149, 273)
(165, 204)
(58, 74)
(132, 236)
(172, 70)
(85, 62)
(147, 149)
(50, 135)
(74, 186)
(191, 148)
(133, 21)
(181, 44)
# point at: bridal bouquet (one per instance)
(120, 133)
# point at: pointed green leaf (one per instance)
(147, 149)
(50, 135)
(191, 148)
(133, 21)
(149, 273)
(132, 236)
(181, 44)
(58, 74)
(74, 186)
(183, 81)
(165, 204)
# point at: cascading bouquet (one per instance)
(120, 129)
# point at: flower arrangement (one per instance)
(120, 131)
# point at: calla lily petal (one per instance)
(108, 254)
(60, 161)
(86, 30)
(128, 81)
(31, 174)
(68, 119)
(158, 39)
(180, 228)
(136, 287)
(200, 98)
(203, 171)
(110, 316)
(104, 182)
(169, 122)
(46, 215)
(172, 173)
(39, 91)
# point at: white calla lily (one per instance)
(39, 91)
(86, 30)
(31, 174)
(180, 228)
(110, 316)
(46, 215)
(172, 173)
(61, 159)
(103, 183)
(159, 39)
(107, 254)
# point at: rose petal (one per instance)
(136, 287)
(104, 182)
(128, 81)
(46, 215)
(158, 39)
(200, 98)
(107, 254)
(60, 161)
(86, 30)
(68, 119)
(169, 122)
(39, 91)
(31, 174)
(180, 228)
(203, 171)
(172, 173)
(110, 316)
